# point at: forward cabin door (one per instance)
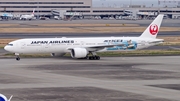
(23, 45)
(82, 43)
(45, 48)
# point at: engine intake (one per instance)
(79, 53)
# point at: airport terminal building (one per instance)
(44, 7)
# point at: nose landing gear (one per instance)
(17, 56)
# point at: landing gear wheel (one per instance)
(18, 58)
(97, 57)
(87, 57)
(90, 58)
(93, 58)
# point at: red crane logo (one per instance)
(153, 29)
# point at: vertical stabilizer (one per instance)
(33, 11)
(153, 29)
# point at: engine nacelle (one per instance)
(57, 54)
(79, 53)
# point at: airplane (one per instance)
(27, 16)
(86, 47)
(6, 15)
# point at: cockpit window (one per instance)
(9, 44)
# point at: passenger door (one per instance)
(23, 45)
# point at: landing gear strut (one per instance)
(17, 56)
(93, 57)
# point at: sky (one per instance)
(121, 3)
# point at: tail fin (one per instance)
(153, 29)
(33, 11)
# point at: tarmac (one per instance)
(109, 79)
(149, 78)
(59, 35)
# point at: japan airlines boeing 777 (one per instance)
(83, 47)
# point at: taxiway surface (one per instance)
(110, 79)
(59, 35)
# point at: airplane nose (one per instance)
(6, 48)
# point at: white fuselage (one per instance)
(62, 45)
(27, 17)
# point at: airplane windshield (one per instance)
(9, 44)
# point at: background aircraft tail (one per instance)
(33, 11)
(153, 29)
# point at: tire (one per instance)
(87, 57)
(97, 57)
(18, 59)
(93, 58)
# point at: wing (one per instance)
(99, 47)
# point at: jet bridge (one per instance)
(136, 14)
(64, 14)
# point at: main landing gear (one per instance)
(17, 56)
(93, 57)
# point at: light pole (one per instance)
(37, 9)
(130, 3)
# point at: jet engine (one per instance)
(79, 53)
